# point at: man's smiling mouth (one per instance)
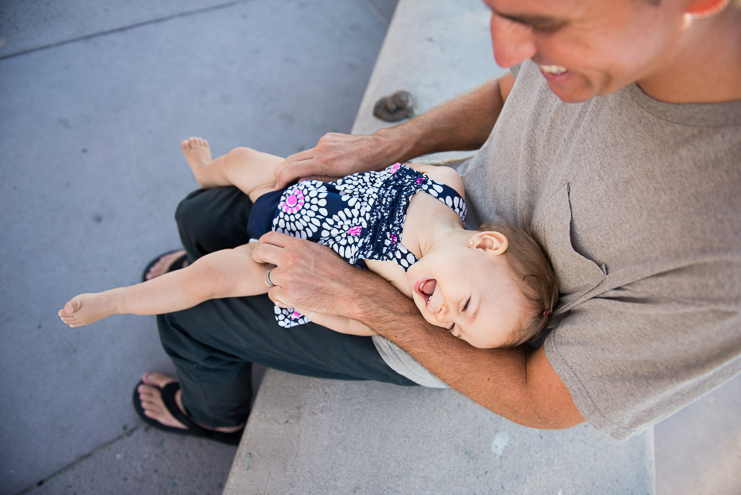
(553, 69)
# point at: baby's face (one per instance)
(470, 292)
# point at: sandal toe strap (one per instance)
(168, 398)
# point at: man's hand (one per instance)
(335, 156)
(463, 123)
(309, 275)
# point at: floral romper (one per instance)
(360, 216)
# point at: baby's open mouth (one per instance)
(425, 288)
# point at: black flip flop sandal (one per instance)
(177, 264)
(168, 397)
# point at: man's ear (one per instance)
(705, 8)
(491, 241)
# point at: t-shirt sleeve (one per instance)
(636, 354)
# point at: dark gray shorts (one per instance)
(214, 344)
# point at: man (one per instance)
(618, 145)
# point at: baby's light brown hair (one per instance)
(534, 274)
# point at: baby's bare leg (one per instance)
(251, 171)
(225, 273)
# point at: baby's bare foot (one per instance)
(198, 155)
(88, 308)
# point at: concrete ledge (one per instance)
(434, 50)
(314, 436)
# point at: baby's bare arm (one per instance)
(340, 324)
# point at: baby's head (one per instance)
(534, 274)
(492, 288)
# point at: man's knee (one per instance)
(190, 209)
(213, 219)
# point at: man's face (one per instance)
(587, 48)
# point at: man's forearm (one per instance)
(517, 384)
(463, 123)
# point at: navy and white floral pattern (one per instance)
(300, 210)
(361, 217)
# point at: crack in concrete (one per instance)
(126, 28)
(66, 468)
(380, 15)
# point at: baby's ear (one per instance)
(491, 241)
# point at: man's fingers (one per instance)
(295, 167)
(272, 248)
(268, 251)
(276, 301)
(276, 239)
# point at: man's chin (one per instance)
(571, 95)
(576, 89)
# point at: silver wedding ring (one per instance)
(267, 278)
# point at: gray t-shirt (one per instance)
(638, 203)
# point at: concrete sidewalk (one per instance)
(95, 98)
(91, 174)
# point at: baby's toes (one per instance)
(73, 305)
(197, 142)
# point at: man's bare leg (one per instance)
(154, 408)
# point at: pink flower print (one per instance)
(393, 168)
(393, 237)
(419, 181)
(294, 201)
(295, 315)
(355, 230)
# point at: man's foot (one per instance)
(164, 264)
(88, 308)
(154, 407)
(198, 155)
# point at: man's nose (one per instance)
(512, 42)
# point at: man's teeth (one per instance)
(553, 69)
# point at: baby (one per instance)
(492, 288)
